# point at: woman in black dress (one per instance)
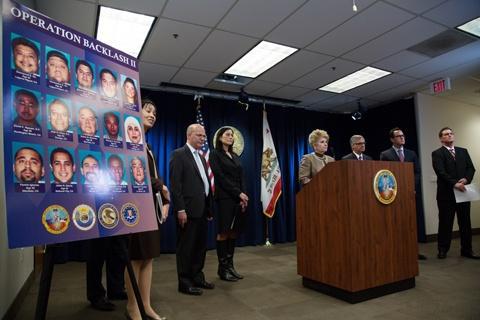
(231, 200)
(145, 246)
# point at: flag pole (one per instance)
(268, 244)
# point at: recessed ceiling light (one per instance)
(123, 30)
(355, 79)
(261, 58)
(472, 27)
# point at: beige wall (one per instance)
(433, 113)
(15, 265)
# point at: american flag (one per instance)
(204, 150)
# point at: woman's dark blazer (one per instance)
(228, 172)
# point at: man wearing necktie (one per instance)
(454, 169)
(398, 152)
(192, 205)
(357, 143)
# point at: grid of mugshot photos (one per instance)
(89, 114)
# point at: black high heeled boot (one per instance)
(230, 253)
(223, 269)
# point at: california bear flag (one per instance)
(271, 174)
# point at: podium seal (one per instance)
(385, 186)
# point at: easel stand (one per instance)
(46, 281)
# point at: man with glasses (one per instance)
(454, 169)
(357, 143)
(399, 153)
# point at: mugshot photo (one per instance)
(59, 123)
(25, 62)
(84, 80)
(108, 84)
(133, 133)
(57, 65)
(26, 111)
(62, 169)
(130, 93)
(87, 125)
(112, 129)
(28, 163)
(116, 173)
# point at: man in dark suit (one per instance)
(357, 142)
(192, 203)
(398, 153)
(454, 169)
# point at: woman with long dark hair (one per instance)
(145, 246)
(231, 200)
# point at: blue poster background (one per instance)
(27, 202)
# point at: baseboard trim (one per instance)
(455, 234)
(359, 296)
(19, 299)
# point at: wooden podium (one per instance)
(349, 244)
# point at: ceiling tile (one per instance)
(330, 103)
(330, 72)
(262, 16)
(314, 96)
(152, 74)
(363, 27)
(398, 39)
(415, 5)
(378, 85)
(295, 66)
(148, 7)
(445, 61)
(403, 90)
(84, 19)
(455, 12)
(163, 47)
(400, 61)
(193, 77)
(205, 12)
(312, 20)
(219, 51)
(260, 87)
(289, 92)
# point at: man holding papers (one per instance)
(454, 169)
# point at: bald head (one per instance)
(196, 135)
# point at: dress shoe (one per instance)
(421, 257)
(122, 295)
(102, 304)
(441, 255)
(194, 291)
(470, 254)
(205, 285)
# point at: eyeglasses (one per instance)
(359, 143)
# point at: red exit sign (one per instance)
(439, 86)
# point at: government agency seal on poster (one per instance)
(385, 186)
(55, 219)
(130, 214)
(238, 141)
(83, 217)
(108, 216)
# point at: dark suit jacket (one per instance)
(352, 156)
(450, 170)
(228, 172)
(186, 184)
(410, 156)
